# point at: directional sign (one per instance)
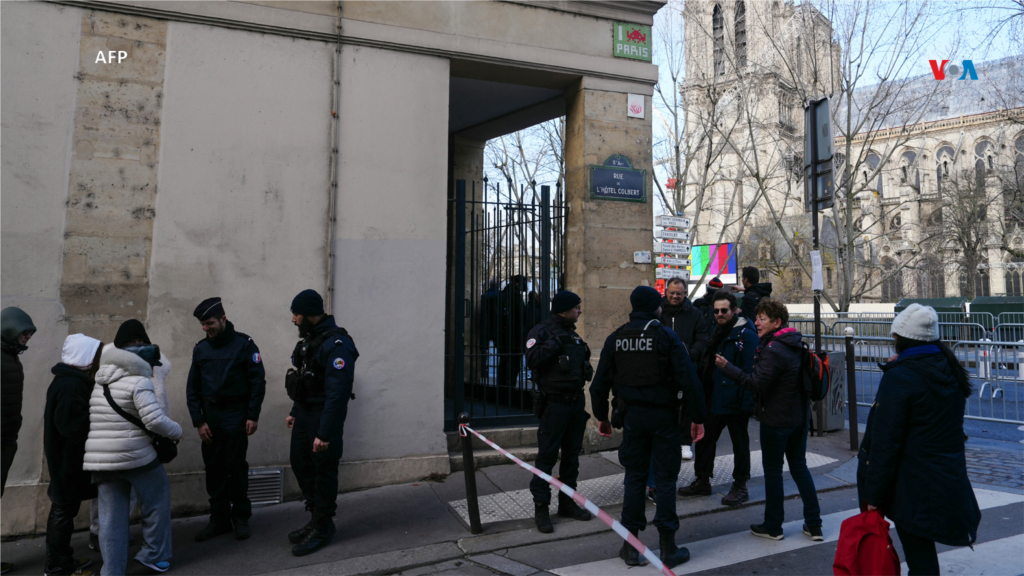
(672, 221)
(617, 180)
(684, 236)
(671, 248)
(673, 261)
(665, 273)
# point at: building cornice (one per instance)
(636, 11)
(944, 125)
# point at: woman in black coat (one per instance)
(912, 465)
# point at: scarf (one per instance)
(671, 310)
(220, 340)
(707, 361)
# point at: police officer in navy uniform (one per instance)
(225, 390)
(560, 361)
(321, 387)
(647, 367)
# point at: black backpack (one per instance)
(815, 373)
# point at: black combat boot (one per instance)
(630, 555)
(567, 508)
(738, 495)
(672, 555)
(542, 518)
(214, 528)
(320, 536)
(699, 487)
(299, 535)
(242, 531)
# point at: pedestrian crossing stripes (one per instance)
(743, 547)
(607, 490)
(995, 558)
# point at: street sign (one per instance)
(671, 248)
(665, 273)
(618, 180)
(683, 236)
(672, 261)
(822, 130)
(641, 257)
(818, 177)
(671, 221)
(632, 41)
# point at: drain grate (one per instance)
(266, 486)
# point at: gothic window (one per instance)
(873, 161)
(741, 34)
(979, 174)
(935, 219)
(892, 285)
(718, 32)
(896, 223)
(983, 150)
(931, 282)
(1014, 278)
(907, 169)
(981, 284)
(858, 224)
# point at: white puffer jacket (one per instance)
(114, 443)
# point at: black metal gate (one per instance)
(509, 259)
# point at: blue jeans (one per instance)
(792, 443)
(650, 434)
(154, 492)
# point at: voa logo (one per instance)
(943, 72)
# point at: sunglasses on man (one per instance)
(721, 311)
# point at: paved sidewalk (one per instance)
(414, 528)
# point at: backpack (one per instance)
(815, 373)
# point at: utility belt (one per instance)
(620, 407)
(541, 400)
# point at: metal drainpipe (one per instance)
(335, 161)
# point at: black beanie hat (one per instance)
(645, 299)
(308, 303)
(209, 308)
(564, 301)
(130, 330)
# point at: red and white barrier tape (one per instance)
(579, 499)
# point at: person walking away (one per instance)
(225, 389)
(912, 466)
(705, 304)
(121, 457)
(560, 361)
(133, 333)
(511, 335)
(753, 291)
(679, 314)
(729, 406)
(65, 429)
(647, 367)
(783, 410)
(321, 387)
(16, 329)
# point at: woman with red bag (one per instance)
(912, 466)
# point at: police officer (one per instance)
(320, 386)
(560, 361)
(225, 392)
(647, 367)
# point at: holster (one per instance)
(619, 409)
(292, 384)
(540, 403)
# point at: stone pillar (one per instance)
(601, 235)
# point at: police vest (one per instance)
(553, 378)
(636, 356)
(313, 376)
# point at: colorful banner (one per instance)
(717, 260)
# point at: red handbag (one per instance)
(865, 548)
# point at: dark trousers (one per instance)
(60, 525)
(316, 472)
(7, 451)
(920, 554)
(510, 364)
(650, 434)
(790, 443)
(685, 436)
(704, 457)
(561, 429)
(227, 471)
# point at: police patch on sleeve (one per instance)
(339, 363)
(531, 342)
(256, 358)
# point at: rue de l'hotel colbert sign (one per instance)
(616, 179)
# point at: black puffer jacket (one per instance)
(912, 461)
(752, 296)
(13, 322)
(65, 429)
(775, 379)
(688, 323)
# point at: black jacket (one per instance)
(12, 380)
(684, 376)
(337, 357)
(543, 347)
(752, 297)
(226, 367)
(689, 324)
(912, 464)
(775, 379)
(65, 429)
(706, 306)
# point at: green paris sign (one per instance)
(631, 41)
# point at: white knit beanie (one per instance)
(79, 350)
(917, 322)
